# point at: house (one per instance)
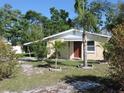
(73, 48)
(17, 48)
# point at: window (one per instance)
(90, 46)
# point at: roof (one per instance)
(30, 42)
(64, 32)
(74, 36)
(69, 35)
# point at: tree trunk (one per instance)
(29, 51)
(84, 48)
(56, 60)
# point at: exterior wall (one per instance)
(50, 48)
(71, 50)
(67, 51)
(97, 54)
(99, 51)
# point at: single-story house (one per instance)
(17, 48)
(73, 48)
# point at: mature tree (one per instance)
(34, 34)
(115, 54)
(58, 22)
(115, 16)
(34, 17)
(88, 22)
(115, 47)
(89, 15)
(12, 23)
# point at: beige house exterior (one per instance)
(73, 47)
(17, 49)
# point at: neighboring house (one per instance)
(17, 48)
(73, 48)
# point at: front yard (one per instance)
(69, 72)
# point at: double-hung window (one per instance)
(90, 46)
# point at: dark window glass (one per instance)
(90, 43)
(90, 46)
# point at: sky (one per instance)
(43, 6)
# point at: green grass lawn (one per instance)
(23, 82)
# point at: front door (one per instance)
(77, 49)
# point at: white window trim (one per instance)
(91, 52)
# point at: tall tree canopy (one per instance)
(58, 22)
(90, 14)
(15, 26)
(11, 23)
(116, 16)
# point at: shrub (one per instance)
(20, 55)
(116, 54)
(7, 60)
(39, 50)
